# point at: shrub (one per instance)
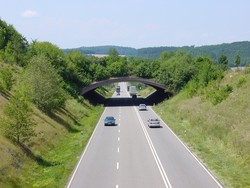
(6, 79)
(241, 81)
(216, 93)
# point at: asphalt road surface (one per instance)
(132, 155)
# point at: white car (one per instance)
(142, 107)
(154, 122)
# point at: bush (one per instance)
(6, 79)
(216, 94)
(241, 81)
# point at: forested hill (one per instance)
(105, 50)
(215, 51)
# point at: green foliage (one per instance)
(45, 85)
(13, 45)
(237, 61)
(206, 71)
(3, 34)
(113, 53)
(104, 50)
(216, 93)
(148, 69)
(241, 81)
(214, 51)
(206, 81)
(18, 124)
(223, 62)
(176, 71)
(101, 73)
(78, 71)
(117, 69)
(6, 79)
(53, 54)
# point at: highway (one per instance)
(132, 155)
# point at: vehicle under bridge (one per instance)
(161, 93)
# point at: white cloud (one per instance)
(29, 14)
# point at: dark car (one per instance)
(109, 120)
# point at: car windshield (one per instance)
(109, 118)
(154, 120)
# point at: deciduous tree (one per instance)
(18, 124)
(45, 84)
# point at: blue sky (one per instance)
(131, 23)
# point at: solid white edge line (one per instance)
(195, 157)
(155, 155)
(80, 160)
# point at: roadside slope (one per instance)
(218, 134)
(51, 155)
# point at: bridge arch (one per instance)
(95, 85)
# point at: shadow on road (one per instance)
(155, 98)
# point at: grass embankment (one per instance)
(218, 134)
(146, 92)
(60, 140)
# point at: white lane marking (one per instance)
(118, 139)
(86, 148)
(119, 131)
(117, 186)
(195, 157)
(118, 150)
(157, 160)
(117, 166)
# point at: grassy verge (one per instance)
(145, 92)
(218, 134)
(61, 138)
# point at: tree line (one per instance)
(40, 74)
(232, 51)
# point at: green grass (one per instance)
(218, 134)
(61, 138)
(146, 91)
(64, 156)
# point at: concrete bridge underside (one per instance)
(95, 98)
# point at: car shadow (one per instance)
(159, 127)
(111, 125)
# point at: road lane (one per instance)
(121, 156)
(182, 167)
(98, 165)
(118, 156)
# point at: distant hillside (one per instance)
(104, 50)
(215, 51)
